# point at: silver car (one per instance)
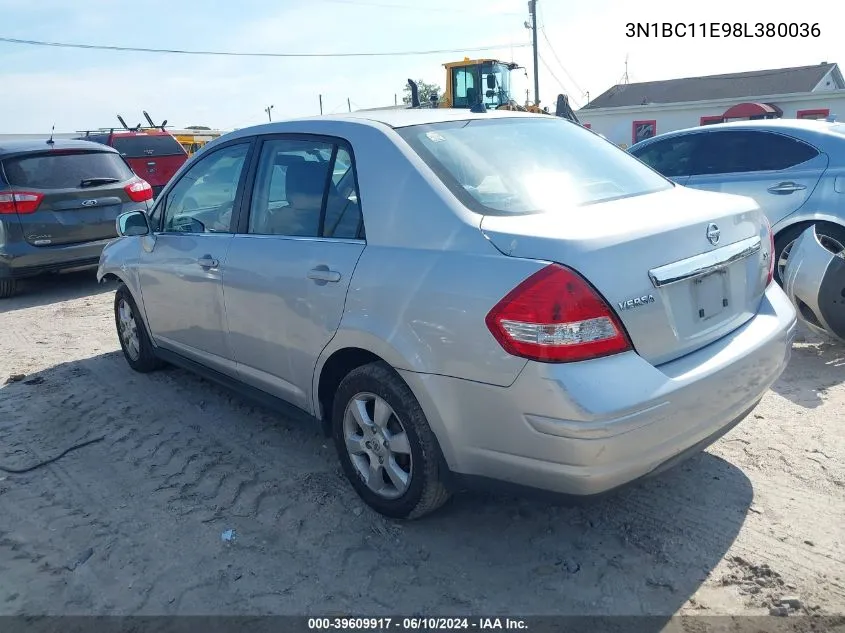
(794, 169)
(472, 297)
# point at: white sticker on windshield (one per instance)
(434, 137)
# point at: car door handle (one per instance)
(786, 187)
(207, 261)
(323, 273)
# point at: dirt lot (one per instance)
(134, 524)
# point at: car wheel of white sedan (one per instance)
(385, 445)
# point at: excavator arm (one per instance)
(564, 110)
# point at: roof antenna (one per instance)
(50, 141)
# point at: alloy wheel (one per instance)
(378, 445)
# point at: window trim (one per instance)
(810, 114)
(634, 125)
(711, 119)
(241, 228)
(164, 196)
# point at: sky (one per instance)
(583, 48)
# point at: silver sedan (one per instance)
(458, 298)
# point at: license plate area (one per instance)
(710, 295)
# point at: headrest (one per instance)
(305, 183)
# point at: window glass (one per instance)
(289, 188)
(65, 170)
(343, 211)
(528, 165)
(464, 89)
(746, 151)
(147, 145)
(672, 157)
(203, 199)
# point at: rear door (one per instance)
(778, 171)
(155, 157)
(291, 262)
(81, 194)
(672, 157)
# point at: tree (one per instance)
(197, 127)
(425, 92)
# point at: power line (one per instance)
(174, 51)
(385, 5)
(554, 53)
(566, 72)
(560, 83)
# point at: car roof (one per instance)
(798, 126)
(41, 145)
(404, 117)
(392, 118)
(398, 118)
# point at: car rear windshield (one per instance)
(147, 145)
(63, 170)
(515, 165)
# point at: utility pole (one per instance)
(267, 110)
(349, 103)
(321, 104)
(532, 10)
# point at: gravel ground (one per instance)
(136, 523)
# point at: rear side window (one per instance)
(147, 145)
(745, 151)
(64, 170)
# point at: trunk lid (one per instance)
(83, 193)
(650, 257)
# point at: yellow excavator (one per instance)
(484, 84)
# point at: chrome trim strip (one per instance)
(705, 263)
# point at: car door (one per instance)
(672, 157)
(291, 261)
(778, 171)
(181, 271)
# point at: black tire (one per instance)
(145, 360)
(426, 491)
(786, 237)
(8, 287)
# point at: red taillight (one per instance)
(19, 201)
(556, 316)
(771, 274)
(139, 191)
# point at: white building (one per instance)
(628, 113)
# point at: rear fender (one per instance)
(800, 217)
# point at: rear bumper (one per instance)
(587, 428)
(21, 260)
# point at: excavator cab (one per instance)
(484, 84)
(473, 82)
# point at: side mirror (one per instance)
(491, 82)
(132, 223)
